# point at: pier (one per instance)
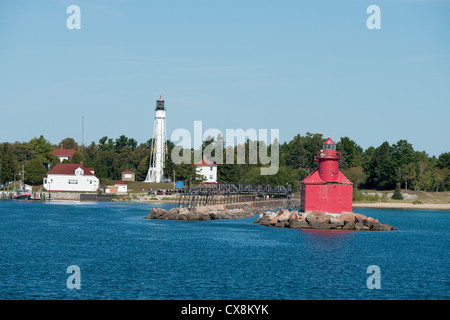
(206, 194)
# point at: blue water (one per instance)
(123, 256)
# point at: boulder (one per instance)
(280, 224)
(368, 222)
(347, 217)
(301, 224)
(317, 214)
(336, 222)
(360, 217)
(321, 222)
(273, 220)
(293, 216)
(360, 226)
(348, 225)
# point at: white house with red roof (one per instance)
(63, 154)
(208, 169)
(118, 187)
(121, 186)
(71, 177)
(128, 175)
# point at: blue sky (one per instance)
(295, 66)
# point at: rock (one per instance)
(280, 224)
(301, 224)
(347, 217)
(274, 220)
(317, 214)
(382, 227)
(293, 216)
(348, 225)
(360, 226)
(310, 219)
(336, 222)
(359, 217)
(321, 222)
(368, 222)
(284, 217)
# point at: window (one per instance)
(211, 168)
(73, 181)
(211, 177)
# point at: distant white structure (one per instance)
(63, 154)
(208, 169)
(155, 171)
(121, 186)
(71, 177)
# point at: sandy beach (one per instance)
(394, 205)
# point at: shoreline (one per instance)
(407, 205)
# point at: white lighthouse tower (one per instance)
(155, 171)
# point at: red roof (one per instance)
(329, 141)
(315, 178)
(69, 169)
(205, 162)
(119, 182)
(63, 152)
(127, 171)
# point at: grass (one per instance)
(422, 196)
(140, 186)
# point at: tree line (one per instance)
(381, 168)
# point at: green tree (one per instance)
(77, 157)
(34, 171)
(403, 153)
(351, 153)
(382, 174)
(24, 151)
(293, 151)
(444, 160)
(355, 175)
(8, 162)
(68, 143)
(397, 193)
(43, 148)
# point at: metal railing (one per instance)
(223, 193)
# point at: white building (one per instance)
(208, 169)
(71, 177)
(63, 154)
(121, 186)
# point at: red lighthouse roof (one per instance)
(329, 141)
(315, 178)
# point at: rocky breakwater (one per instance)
(201, 213)
(321, 220)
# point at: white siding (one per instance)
(209, 172)
(61, 182)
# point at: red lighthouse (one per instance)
(326, 189)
